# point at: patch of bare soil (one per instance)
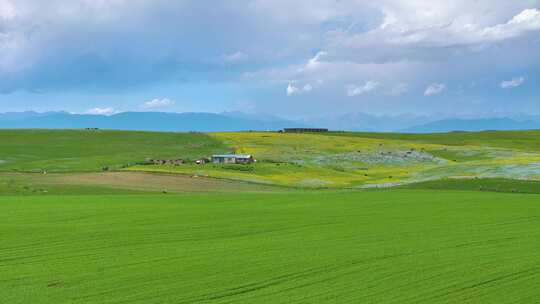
(157, 182)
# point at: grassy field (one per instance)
(386, 246)
(267, 232)
(91, 150)
(359, 160)
(514, 140)
(333, 160)
(487, 184)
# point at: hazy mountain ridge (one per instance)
(147, 121)
(238, 121)
(367, 122)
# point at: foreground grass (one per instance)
(398, 246)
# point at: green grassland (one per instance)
(92, 150)
(385, 246)
(360, 160)
(333, 160)
(514, 140)
(480, 184)
(268, 232)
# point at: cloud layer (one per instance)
(322, 53)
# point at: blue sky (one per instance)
(289, 58)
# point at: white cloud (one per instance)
(354, 90)
(101, 111)
(391, 41)
(158, 103)
(434, 89)
(527, 20)
(513, 83)
(415, 25)
(294, 90)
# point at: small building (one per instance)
(304, 130)
(232, 159)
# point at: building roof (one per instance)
(232, 155)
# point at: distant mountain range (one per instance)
(422, 124)
(367, 122)
(238, 121)
(147, 121)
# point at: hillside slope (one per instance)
(371, 160)
(91, 150)
(332, 160)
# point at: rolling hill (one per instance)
(92, 150)
(331, 160)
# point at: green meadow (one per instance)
(391, 246)
(92, 150)
(313, 161)
(516, 140)
(366, 160)
(319, 218)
